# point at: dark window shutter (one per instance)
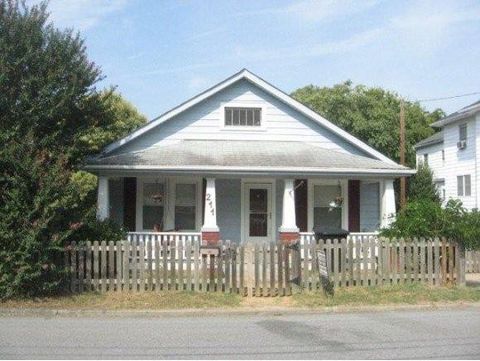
(129, 203)
(354, 205)
(301, 199)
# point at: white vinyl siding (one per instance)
(204, 121)
(448, 162)
(369, 206)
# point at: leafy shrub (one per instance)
(426, 218)
(421, 186)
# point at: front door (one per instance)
(258, 212)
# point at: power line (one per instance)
(446, 98)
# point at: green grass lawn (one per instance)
(362, 296)
(131, 301)
(384, 295)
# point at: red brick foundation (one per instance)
(210, 238)
(289, 237)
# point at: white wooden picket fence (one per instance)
(156, 264)
(472, 260)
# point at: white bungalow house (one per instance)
(453, 154)
(244, 161)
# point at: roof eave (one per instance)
(292, 171)
(420, 146)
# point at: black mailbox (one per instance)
(329, 233)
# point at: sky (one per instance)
(160, 53)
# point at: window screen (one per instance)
(153, 205)
(323, 214)
(462, 132)
(185, 206)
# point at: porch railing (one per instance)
(161, 237)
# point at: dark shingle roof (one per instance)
(463, 113)
(248, 155)
(433, 139)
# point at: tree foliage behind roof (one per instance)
(371, 114)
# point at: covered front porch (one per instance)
(243, 208)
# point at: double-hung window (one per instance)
(327, 206)
(243, 117)
(153, 205)
(185, 206)
(464, 185)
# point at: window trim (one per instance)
(242, 128)
(311, 183)
(461, 181)
(170, 184)
(198, 200)
(460, 127)
(139, 207)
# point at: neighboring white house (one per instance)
(453, 154)
(244, 161)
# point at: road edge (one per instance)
(241, 311)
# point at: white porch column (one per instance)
(210, 230)
(288, 230)
(103, 201)
(388, 210)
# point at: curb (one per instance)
(212, 312)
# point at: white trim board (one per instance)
(265, 86)
(258, 181)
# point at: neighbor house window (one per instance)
(325, 212)
(464, 185)
(243, 117)
(443, 155)
(425, 159)
(185, 206)
(462, 132)
(153, 205)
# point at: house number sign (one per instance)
(211, 206)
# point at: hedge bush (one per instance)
(427, 218)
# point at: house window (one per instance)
(153, 205)
(185, 206)
(324, 215)
(464, 185)
(243, 117)
(462, 132)
(440, 186)
(443, 156)
(425, 159)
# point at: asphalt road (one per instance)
(394, 334)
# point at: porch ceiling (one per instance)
(246, 156)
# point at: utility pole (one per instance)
(403, 180)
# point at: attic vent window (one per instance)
(243, 117)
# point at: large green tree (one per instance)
(51, 117)
(371, 114)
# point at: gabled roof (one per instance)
(268, 88)
(436, 138)
(463, 113)
(251, 156)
